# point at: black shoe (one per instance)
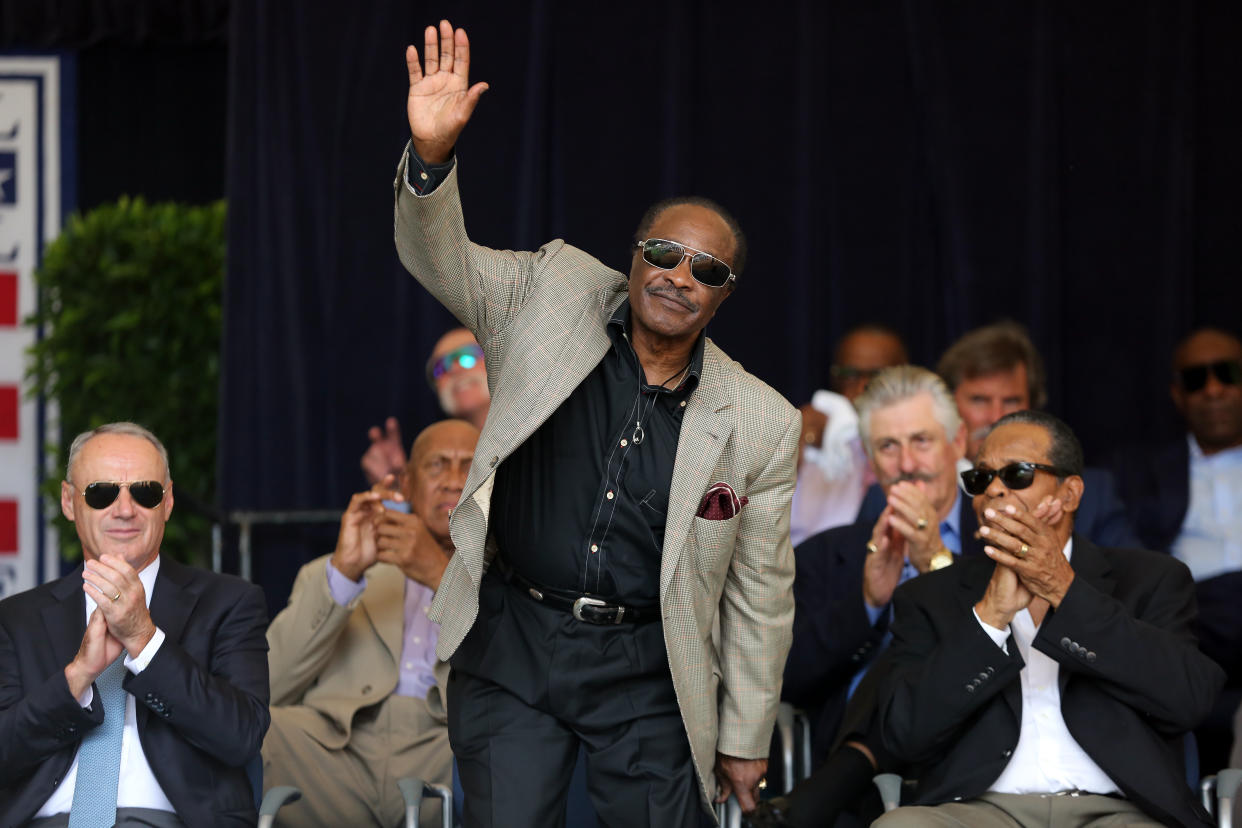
(771, 813)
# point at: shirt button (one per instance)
(423, 176)
(683, 403)
(624, 442)
(609, 495)
(594, 547)
(417, 640)
(409, 665)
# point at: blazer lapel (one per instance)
(172, 601)
(65, 619)
(384, 600)
(705, 428)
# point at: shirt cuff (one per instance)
(422, 177)
(999, 637)
(87, 697)
(874, 614)
(137, 665)
(344, 591)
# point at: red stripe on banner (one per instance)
(10, 398)
(8, 527)
(8, 299)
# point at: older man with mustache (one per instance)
(845, 577)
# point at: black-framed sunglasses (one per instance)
(465, 357)
(1195, 377)
(103, 493)
(1017, 475)
(704, 267)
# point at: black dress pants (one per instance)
(530, 683)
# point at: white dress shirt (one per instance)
(1210, 542)
(138, 787)
(1047, 758)
(834, 477)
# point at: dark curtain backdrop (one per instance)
(934, 166)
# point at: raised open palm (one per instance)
(441, 99)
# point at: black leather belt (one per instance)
(585, 608)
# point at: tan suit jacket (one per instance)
(337, 660)
(540, 318)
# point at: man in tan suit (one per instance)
(630, 493)
(357, 691)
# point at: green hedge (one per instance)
(129, 301)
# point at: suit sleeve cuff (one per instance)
(137, 665)
(423, 178)
(344, 591)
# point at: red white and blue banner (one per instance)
(32, 111)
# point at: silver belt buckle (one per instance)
(584, 601)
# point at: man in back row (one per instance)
(133, 690)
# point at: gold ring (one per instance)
(116, 597)
(922, 524)
(763, 784)
(1023, 550)
(872, 548)
(809, 437)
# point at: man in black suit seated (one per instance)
(1185, 498)
(134, 690)
(1053, 681)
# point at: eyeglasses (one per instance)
(465, 357)
(704, 267)
(1015, 476)
(102, 494)
(1195, 377)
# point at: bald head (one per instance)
(436, 473)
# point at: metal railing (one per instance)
(245, 521)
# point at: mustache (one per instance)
(908, 477)
(674, 294)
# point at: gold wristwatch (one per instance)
(941, 559)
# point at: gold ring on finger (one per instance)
(922, 524)
(872, 548)
(763, 784)
(1023, 550)
(116, 597)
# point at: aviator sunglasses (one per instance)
(102, 494)
(466, 357)
(1195, 377)
(1015, 476)
(704, 267)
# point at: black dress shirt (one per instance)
(581, 504)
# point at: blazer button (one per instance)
(494, 461)
(1065, 644)
(983, 677)
(1090, 656)
(1006, 754)
(970, 688)
(366, 690)
(149, 697)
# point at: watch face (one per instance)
(941, 559)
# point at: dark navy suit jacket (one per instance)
(832, 635)
(201, 702)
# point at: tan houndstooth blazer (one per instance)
(540, 317)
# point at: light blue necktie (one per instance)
(99, 757)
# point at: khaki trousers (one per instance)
(993, 810)
(357, 785)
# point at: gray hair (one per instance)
(127, 429)
(898, 384)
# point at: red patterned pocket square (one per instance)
(721, 503)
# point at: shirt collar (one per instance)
(619, 328)
(1228, 457)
